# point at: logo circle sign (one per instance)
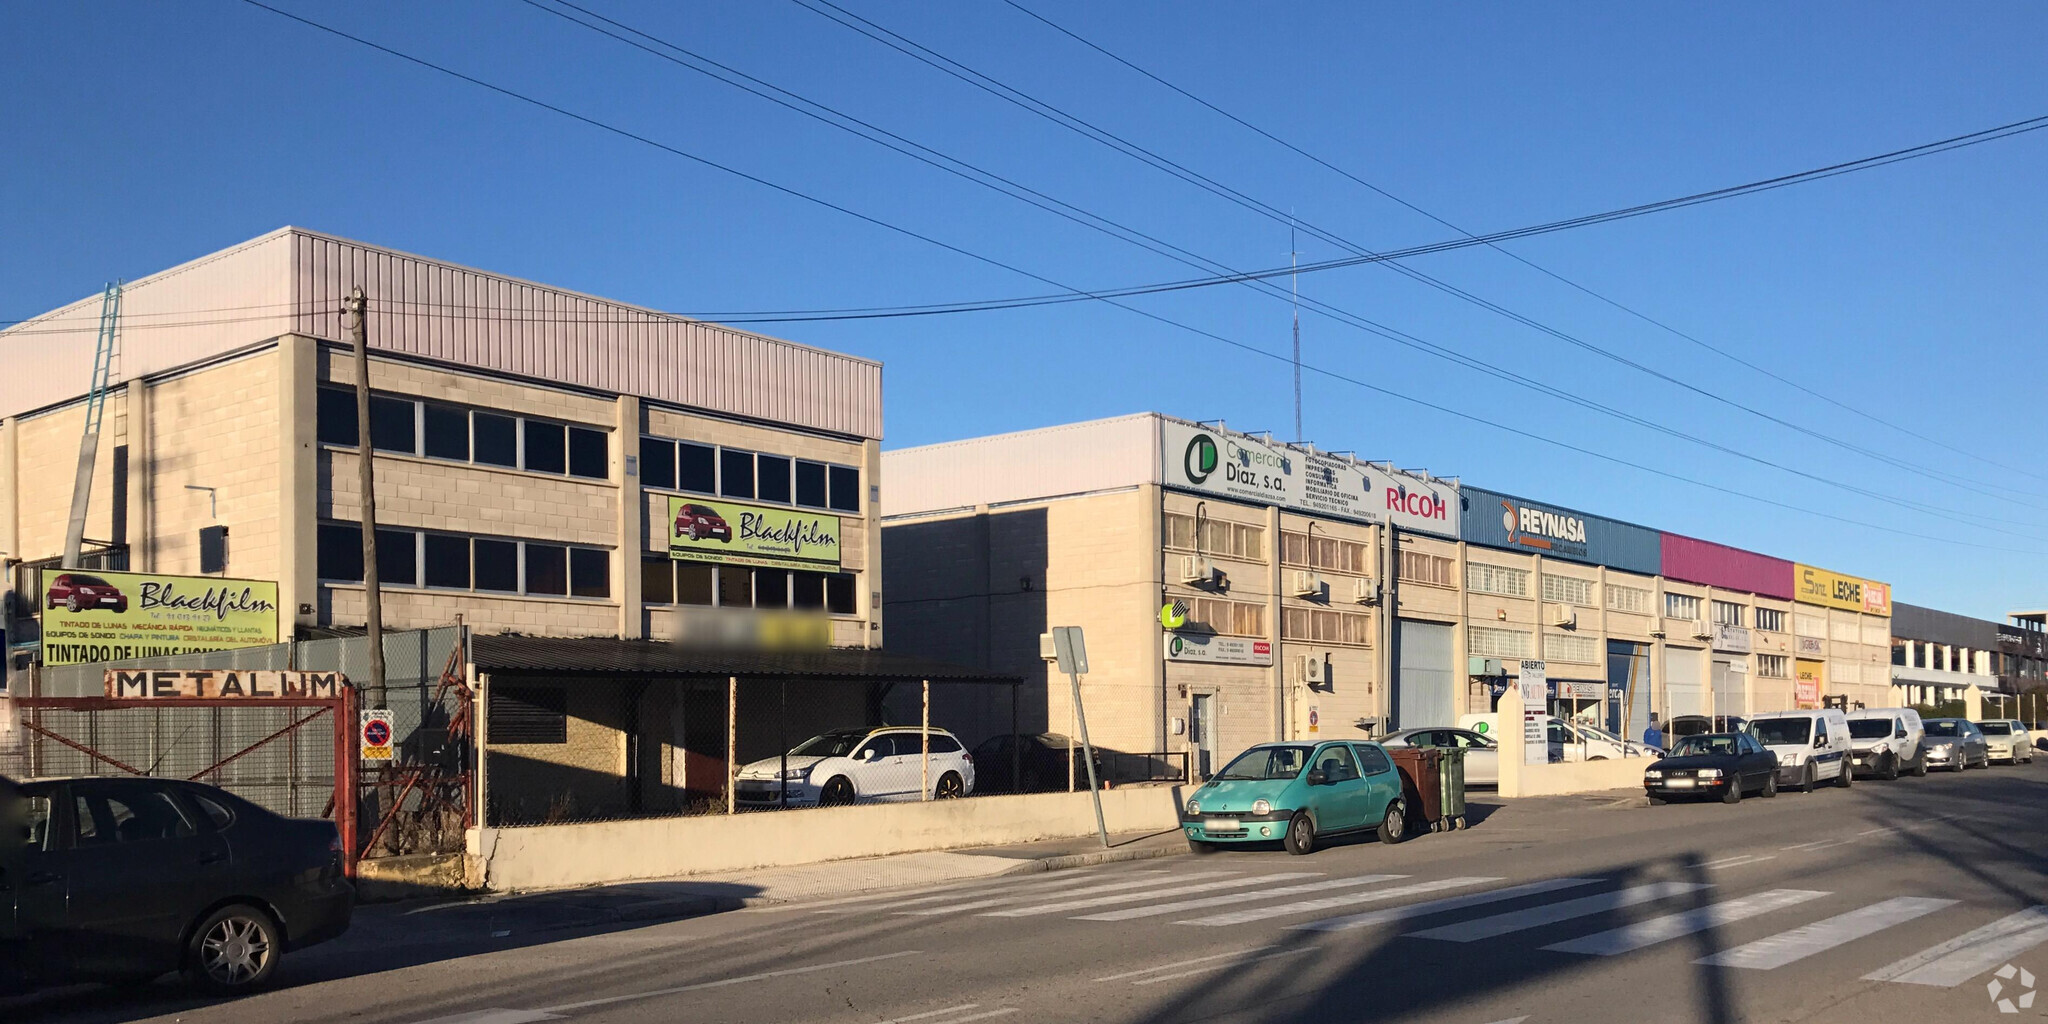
(1200, 458)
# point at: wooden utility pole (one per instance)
(354, 315)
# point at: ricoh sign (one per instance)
(1206, 460)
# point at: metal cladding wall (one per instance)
(1076, 458)
(1912, 622)
(1718, 565)
(1499, 520)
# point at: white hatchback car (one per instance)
(864, 765)
(2008, 739)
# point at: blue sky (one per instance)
(141, 135)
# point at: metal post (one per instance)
(1016, 747)
(732, 742)
(782, 740)
(1071, 712)
(355, 311)
(1088, 751)
(924, 735)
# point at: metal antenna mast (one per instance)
(95, 404)
(1293, 263)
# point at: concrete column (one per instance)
(10, 495)
(625, 475)
(1275, 577)
(141, 462)
(1508, 737)
(1389, 557)
(1153, 552)
(298, 462)
(1461, 643)
(868, 594)
(1973, 702)
(1656, 674)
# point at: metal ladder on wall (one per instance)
(95, 408)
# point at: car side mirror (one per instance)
(1819, 742)
(867, 754)
(1901, 734)
(1316, 777)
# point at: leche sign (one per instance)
(376, 735)
(222, 684)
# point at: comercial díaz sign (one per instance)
(1816, 586)
(1232, 465)
(1224, 650)
(117, 616)
(707, 530)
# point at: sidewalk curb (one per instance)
(1082, 860)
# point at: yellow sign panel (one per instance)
(704, 530)
(1806, 688)
(119, 616)
(1834, 590)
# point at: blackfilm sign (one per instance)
(1518, 524)
(1233, 465)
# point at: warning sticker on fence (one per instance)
(377, 736)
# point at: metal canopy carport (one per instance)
(650, 660)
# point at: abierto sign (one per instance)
(1811, 585)
(118, 616)
(1227, 464)
(706, 530)
(222, 684)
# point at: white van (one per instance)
(1569, 741)
(1885, 742)
(1812, 746)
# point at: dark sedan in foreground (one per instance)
(1716, 764)
(122, 880)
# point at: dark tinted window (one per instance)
(773, 482)
(497, 565)
(497, 439)
(810, 484)
(447, 561)
(214, 810)
(547, 569)
(657, 463)
(807, 590)
(391, 425)
(657, 580)
(447, 430)
(398, 559)
(547, 447)
(693, 583)
(839, 594)
(339, 552)
(771, 588)
(590, 572)
(696, 468)
(944, 744)
(735, 473)
(336, 411)
(845, 489)
(129, 814)
(735, 587)
(528, 714)
(590, 453)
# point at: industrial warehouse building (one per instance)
(1235, 590)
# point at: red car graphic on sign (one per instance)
(698, 522)
(78, 592)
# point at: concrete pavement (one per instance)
(1886, 902)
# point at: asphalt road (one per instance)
(1885, 902)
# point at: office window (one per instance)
(1728, 613)
(771, 588)
(447, 432)
(839, 594)
(694, 583)
(657, 579)
(1581, 650)
(335, 411)
(1875, 633)
(1899, 654)
(657, 463)
(1770, 620)
(1681, 606)
(773, 483)
(398, 558)
(590, 572)
(735, 587)
(810, 484)
(497, 565)
(1489, 642)
(547, 569)
(497, 439)
(1568, 590)
(807, 590)
(696, 468)
(1634, 600)
(1326, 627)
(1496, 579)
(845, 496)
(735, 473)
(527, 714)
(1238, 618)
(338, 552)
(547, 447)
(590, 453)
(447, 561)
(1843, 632)
(1321, 552)
(1774, 666)
(1428, 570)
(1809, 625)
(391, 425)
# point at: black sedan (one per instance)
(1042, 758)
(1714, 764)
(125, 879)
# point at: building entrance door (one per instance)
(1201, 734)
(1424, 693)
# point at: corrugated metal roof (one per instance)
(606, 655)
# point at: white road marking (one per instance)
(1332, 902)
(1236, 897)
(1533, 917)
(1513, 1020)
(1876, 831)
(913, 897)
(1233, 954)
(1814, 844)
(1966, 956)
(1635, 936)
(1740, 861)
(1820, 936)
(1413, 910)
(984, 1015)
(1128, 897)
(962, 1008)
(1086, 890)
(724, 982)
(495, 1017)
(1218, 967)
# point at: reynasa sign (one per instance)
(222, 684)
(1518, 524)
(1231, 465)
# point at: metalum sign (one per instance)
(222, 684)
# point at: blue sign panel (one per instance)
(1518, 524)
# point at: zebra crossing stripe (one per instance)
(1087, 890)
(1821, 936)
(1412, 910)
(1129, 897)
(1662, 929)
(1535, 917)
(916, 897)
(1331, 902)
(1966, 956)
(1130, 913)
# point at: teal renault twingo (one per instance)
(1298, 793)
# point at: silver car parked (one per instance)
(1954, 743)
(1482, 758)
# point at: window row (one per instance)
(1635, 600)
(1489, 642)
(1330, 627)
(1579, 650)
(1428, 570)
(671, 465)
(1681, 606)
(1809, 625)
(1235, 618)
(665, 580)
(1311, 551)
(451, 561)
(1770, 620)
(1728, 613)
(1774, 666)
(1224, 540)
(1496, 579)
(439, 431)
(1568, 590)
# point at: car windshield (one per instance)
(832, 744)
(1996, 728)
(1261, 763)
(87, 581)
(1711, 743)
(1939, 728)
(1783, 730)
(1870, 728)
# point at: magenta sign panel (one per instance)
(1718, 565)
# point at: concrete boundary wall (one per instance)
(554, 856)
(1520, 780)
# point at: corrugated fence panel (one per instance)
(1718, 565)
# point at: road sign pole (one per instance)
(1088, 752)
(1070, 649)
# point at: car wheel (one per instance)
(1806, 778)
(1734, 793)
(950, 787)
(837, 793)
(1771, 784)
(1891, 767)
(1658, 801)
(234, 950)
(1847, 778)
(1200, 848)
(1394, 827)
(1920, 767)
(71, 603)
(1301, 835)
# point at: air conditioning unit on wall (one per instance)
(1566, 618)
(1196, 569)
(1314, 670)
(1307, 584)
(1702, 630)
(1366, 590)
